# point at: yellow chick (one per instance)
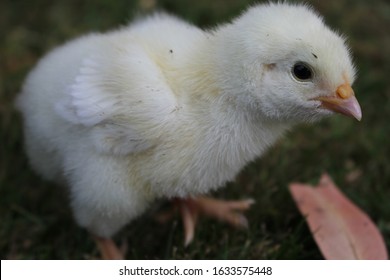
(164, 109)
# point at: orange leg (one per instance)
(108, 249)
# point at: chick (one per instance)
(163, 109)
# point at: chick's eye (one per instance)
(302, 72)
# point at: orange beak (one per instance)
(344, 102)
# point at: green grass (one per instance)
(35, 219)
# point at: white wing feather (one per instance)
(106, 96)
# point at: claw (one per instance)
(189, 222)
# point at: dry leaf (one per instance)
(340, 228)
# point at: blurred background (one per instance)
(35, 219)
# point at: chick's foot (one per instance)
(227, 211)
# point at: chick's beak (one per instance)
(343, 102)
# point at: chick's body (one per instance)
(162, 109)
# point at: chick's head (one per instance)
(290, 66)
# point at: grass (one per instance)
(35, 219)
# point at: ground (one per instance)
(36, 222)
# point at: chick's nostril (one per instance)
(344, 91)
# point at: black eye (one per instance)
(302, 72)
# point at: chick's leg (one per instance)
(228, 211)
(108, 249)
